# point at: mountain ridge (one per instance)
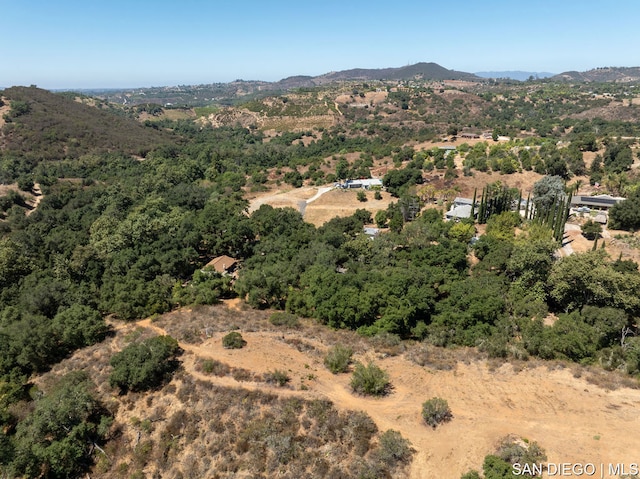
(421, 70)
(514, 74)
(602, 74)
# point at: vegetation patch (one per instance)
(370, 380)
(145, 365)
(338, 359)
(278, 377)
(233, 340)
(436, 411)
(283, 318)
(514, 456)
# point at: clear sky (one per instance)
(92, 43)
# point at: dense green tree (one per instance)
(626, 214)
(79, 326)
(13, 262)
(398, 181)
(531, 259)
(589, 279)
(569, 338)
(591, 230)
(617, 157)
(462, 232)
(206, 287)
(471, 310)
(547, 191)
(56, 439)
(145, 365)
(381, 219)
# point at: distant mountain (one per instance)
(605, 74)
(227, 93)
(515, 75)
(422, 71)
(425, 71)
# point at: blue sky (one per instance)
(92, 44)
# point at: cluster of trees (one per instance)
(144, 365)
(417, 283)
(58, 435)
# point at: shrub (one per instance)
(436, 411)
(361, 196)
(212, 366)
(370, 380)
(591, 230)
(338, 359)
(282, 318)
(514, 450)
(277, 377)
(393, 448)
(387, 343)
(233, 340)
(145, 365)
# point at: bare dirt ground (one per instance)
(574, 242)
(576, 414)
(572, 419)
(343, 203)
(4, 110)
(320, 204)
(282, 198)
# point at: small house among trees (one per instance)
(223, 264)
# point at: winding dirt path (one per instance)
(573, 420)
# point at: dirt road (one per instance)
(573, 420)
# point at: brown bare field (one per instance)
(370, 98)
(557, 405)
(343, 203)
(330, 203)
(281, 197)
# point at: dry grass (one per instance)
(218, 416)
(196, 324)
(291, 123)
(343, 203)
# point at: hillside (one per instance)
(44, 125)
(117, 358)
(218, 414)
(230, 93)
(604, 74)
(424, 71)
(515, 75)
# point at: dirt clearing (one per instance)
(319, 205)
(573, 420)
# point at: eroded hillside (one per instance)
(218, 414)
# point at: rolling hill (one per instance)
(605, 74)
(72, 128)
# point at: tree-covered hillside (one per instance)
(43, 125)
